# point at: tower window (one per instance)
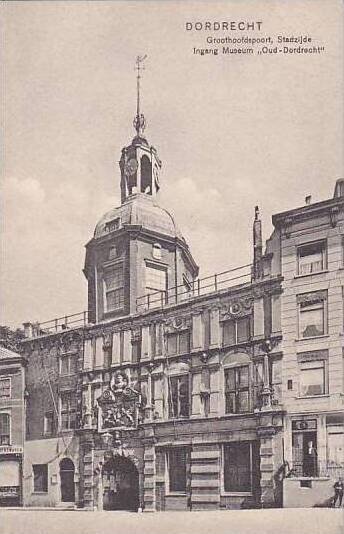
(113, 288)
(156, 285)
(111, 226)
(157, 252)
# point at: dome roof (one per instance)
(139, 209)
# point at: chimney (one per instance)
(257, 245)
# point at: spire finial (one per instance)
(139, 121)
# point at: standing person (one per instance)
(338, 492)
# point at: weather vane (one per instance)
(139, 121)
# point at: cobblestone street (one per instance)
(281, 521)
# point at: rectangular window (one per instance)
(136, 351)
(178, 343)
(49, 423)
(312, 378)
(312, 314)
(40, 478)
(68, 364)
(114, 288)
(5, 429)
(177, 461)
(258, 384)
(179, 396)
(275, 371)
(236, 331)
(311, 258)
(156, 286)
(5, 388)
(237, 389)
(237, 467)
(68, 411)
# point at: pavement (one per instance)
(275, 521)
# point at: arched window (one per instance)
(146, 175)
(5, 429)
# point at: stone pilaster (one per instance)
(149, 472)
(205, 476)
(88, 474)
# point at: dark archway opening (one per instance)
(146, 175)
(67, 471)
(121, 485)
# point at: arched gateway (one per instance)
(120, 484)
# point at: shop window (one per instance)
(113, 288)
(178, 343)
(177, 465)
(312, 314)
(68, 364)
(40, 478)
(5, 429)
(5, 388)
(68, 411)
(311, 258)
(237, 467)
(179, 396)
(237, 389)
(236, 331)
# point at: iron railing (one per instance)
(196, 288)
(59, 324)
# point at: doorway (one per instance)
(305, 454)
(121, 485)
(67, 471)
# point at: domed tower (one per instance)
(137, 258)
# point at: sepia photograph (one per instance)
(172, 267)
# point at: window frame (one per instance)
(69, 357)
(235, 322)
(225, 492)
(178, 377)
(67, 411)
(322, 243)
(109, 268)
(179, 334)
(53, 429)
(160, 296)
(45, 479)
(314, 358)
(9, 416)
(5, 379)
(237, 390)
(318, 304)
(170, 491)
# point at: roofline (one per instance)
(308, 210)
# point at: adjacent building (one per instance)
(12, 426)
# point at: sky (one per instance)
(233, 131)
